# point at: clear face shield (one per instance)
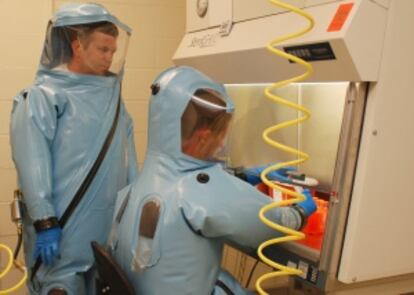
(94, 48)
(204, 126)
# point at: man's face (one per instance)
(204, 144)
(96, 55)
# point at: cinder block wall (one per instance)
(158, 26)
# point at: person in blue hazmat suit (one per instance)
(58, 127)
(170, 225)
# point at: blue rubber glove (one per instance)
(253, 174)
(308, 205)
(47, 245)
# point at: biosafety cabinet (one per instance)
(360, 135)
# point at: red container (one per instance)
(315, 225)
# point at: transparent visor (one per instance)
(94, 48)
(204, 126)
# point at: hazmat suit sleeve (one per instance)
(132, 156)
(33, 126)
(228, 208)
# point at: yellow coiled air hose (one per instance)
(12, 260)
(290, 235)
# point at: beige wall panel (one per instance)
(148, 19)
(21, 52)
(5, 153)
(138, 112)
(172, 22)
(23, 17)
(141, 146)
(141, 54)
(136, 84)
(107, 3)
(5, 109)
(165, 49)
(15, 79)
(176, 3)
(140, 18)
(7, 227)
(8, 183)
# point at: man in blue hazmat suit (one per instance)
(58, 128)
(170, 226)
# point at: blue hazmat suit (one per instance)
(170, 225)
(58, 126)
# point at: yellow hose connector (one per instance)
(290, 235)
(8, 267)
